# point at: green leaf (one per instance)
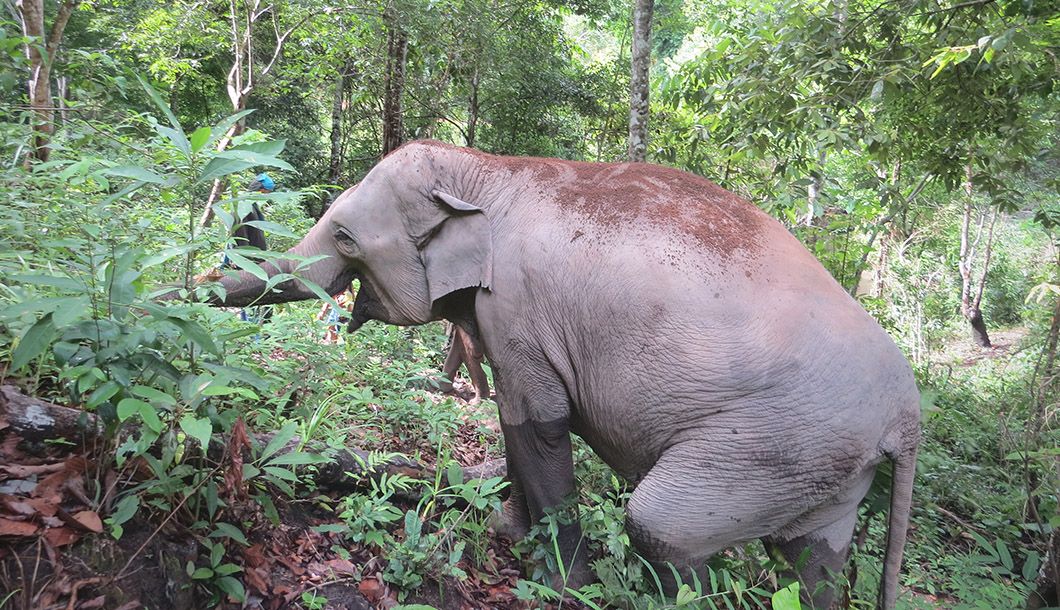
(200, 138)
(128, 406)
(195, 332)
(227, 568)
(229, 530)
(1004, 555)
(176, 134)
(232, 587)
(232, 161)
(202, 574)
(277, 442)
(685, 595)
(246, 264)
(142, 174)
(103, 393)
(35, 340)
(454, 474)
(787, 598)
(198, 429)
(125, 509)
(150, 416)
(58, 281)
(153, 394)
(270, 148)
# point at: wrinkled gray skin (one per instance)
(771, 395)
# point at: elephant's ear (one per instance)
(458, 253)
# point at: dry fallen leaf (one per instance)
(60, 536)
(371, 589)
(16, 529)
(89, 520)
(342, 566)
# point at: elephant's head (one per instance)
(403, 231)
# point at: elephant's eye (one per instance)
(344, 238)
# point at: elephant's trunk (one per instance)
(330, 273)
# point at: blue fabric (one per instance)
(266, 182)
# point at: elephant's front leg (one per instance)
(541, 467)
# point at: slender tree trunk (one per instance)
(397, 46)
(970, 303)
(337, 105)
(639, 106)
(472, 110)
(41, 55)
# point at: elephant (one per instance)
(769, 396)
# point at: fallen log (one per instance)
(38, 422)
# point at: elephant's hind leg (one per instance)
(820, 554)
(690, 506)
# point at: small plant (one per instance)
(312, 601)
(216, 576)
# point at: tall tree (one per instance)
(640, 83)
(397, 48)
(247, 21)
(41, 51)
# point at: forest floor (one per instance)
(56, 553)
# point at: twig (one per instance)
(77, 585)
(959, 521)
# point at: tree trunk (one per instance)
(397, 45)
(970, 304)
(40, 65)
(639, 107)
(472, 110)
(337, 106)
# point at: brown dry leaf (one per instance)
(16, 506)
(10, 446)
(342, 566)
(76, 464)
(257, 578)
(96, 602)
(16, 529)
(498, 595)
(133, 605)
(254, 556)
(371, 589)
(20, 471)
(51, 485)
(61, 536)
(89, 520)
(233, 475)
(46, 507)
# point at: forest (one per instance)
(163, 453)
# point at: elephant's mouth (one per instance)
(365, 307)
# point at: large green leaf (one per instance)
(37, 338)
(195, 332)
(141, 173)
(237, 160)
(271, 148)
(58, 281)
(176, 133)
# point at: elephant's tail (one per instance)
(898, 520)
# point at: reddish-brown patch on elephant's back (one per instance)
(617, 194)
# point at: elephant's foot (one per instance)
(444, 385)
(506, 524)
(577, 575)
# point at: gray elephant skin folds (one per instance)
(687, 336)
